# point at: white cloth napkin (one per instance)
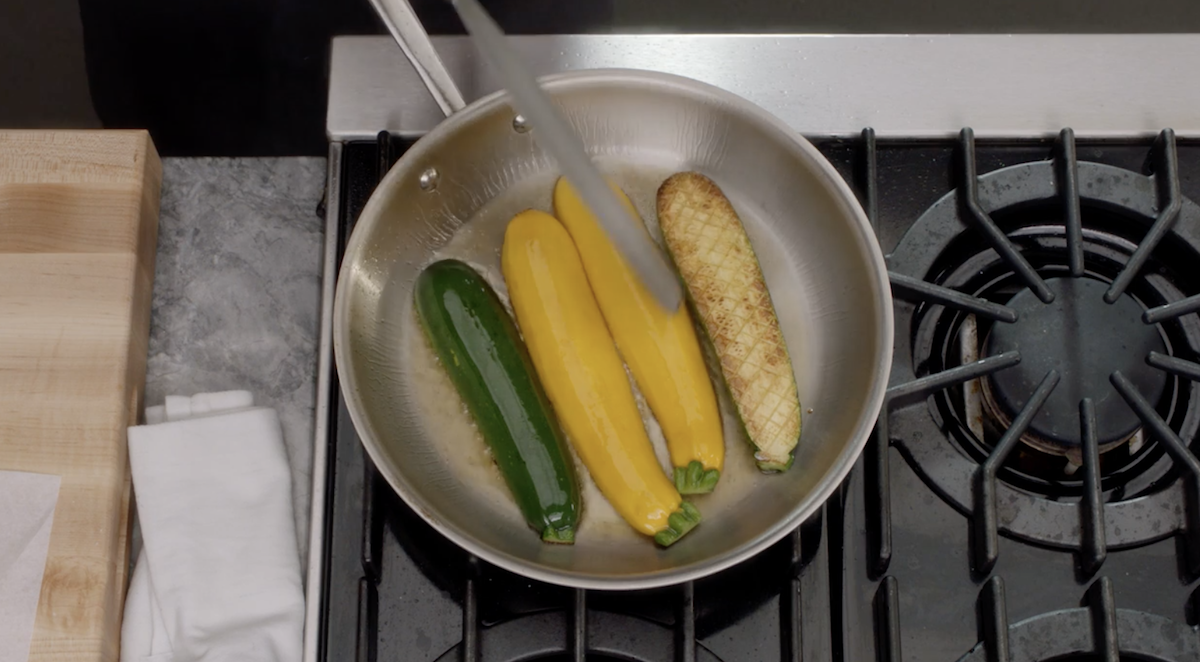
(27, 504)
(218, 577)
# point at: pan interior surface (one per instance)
(822, 267)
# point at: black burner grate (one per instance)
(980, 489)
(1097, 631)
(906, 561)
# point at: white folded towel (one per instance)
(218, 577)
(179, 407)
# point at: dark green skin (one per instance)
(480, 348)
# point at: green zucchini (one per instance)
(480, 348)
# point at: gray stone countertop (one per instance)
(237, 292)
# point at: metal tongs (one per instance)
(640, 253)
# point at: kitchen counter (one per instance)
(237, 292)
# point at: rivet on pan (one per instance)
(429, 179)
(520, 124)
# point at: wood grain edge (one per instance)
(135, 376)
(28, 156)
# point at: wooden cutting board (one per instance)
(78, 233)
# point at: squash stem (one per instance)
(693, 479)
(768, 465)
(563, 536)
(679, 523)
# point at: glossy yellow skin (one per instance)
(660, 347)
(584, 378)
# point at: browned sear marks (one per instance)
(717, 262)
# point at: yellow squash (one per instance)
(578, 364)
(660, 347)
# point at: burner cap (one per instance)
(1086, 340)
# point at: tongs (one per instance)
(551, 129)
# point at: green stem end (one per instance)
(678, 524)
(693, 479)
(774, 466)
(564, 536)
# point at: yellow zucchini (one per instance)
(582, 374)
(659, 347)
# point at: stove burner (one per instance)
(1086, 340)
(609, 637)
(1076, 226)
(1098, 630)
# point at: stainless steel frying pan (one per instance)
(451, 195)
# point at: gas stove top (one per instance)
(1031, 492)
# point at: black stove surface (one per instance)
(1031, 493)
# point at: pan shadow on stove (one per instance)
(441, 561)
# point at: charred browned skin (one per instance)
(713, 253)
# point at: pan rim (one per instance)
(841, 467)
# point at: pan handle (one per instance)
(406, 28)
